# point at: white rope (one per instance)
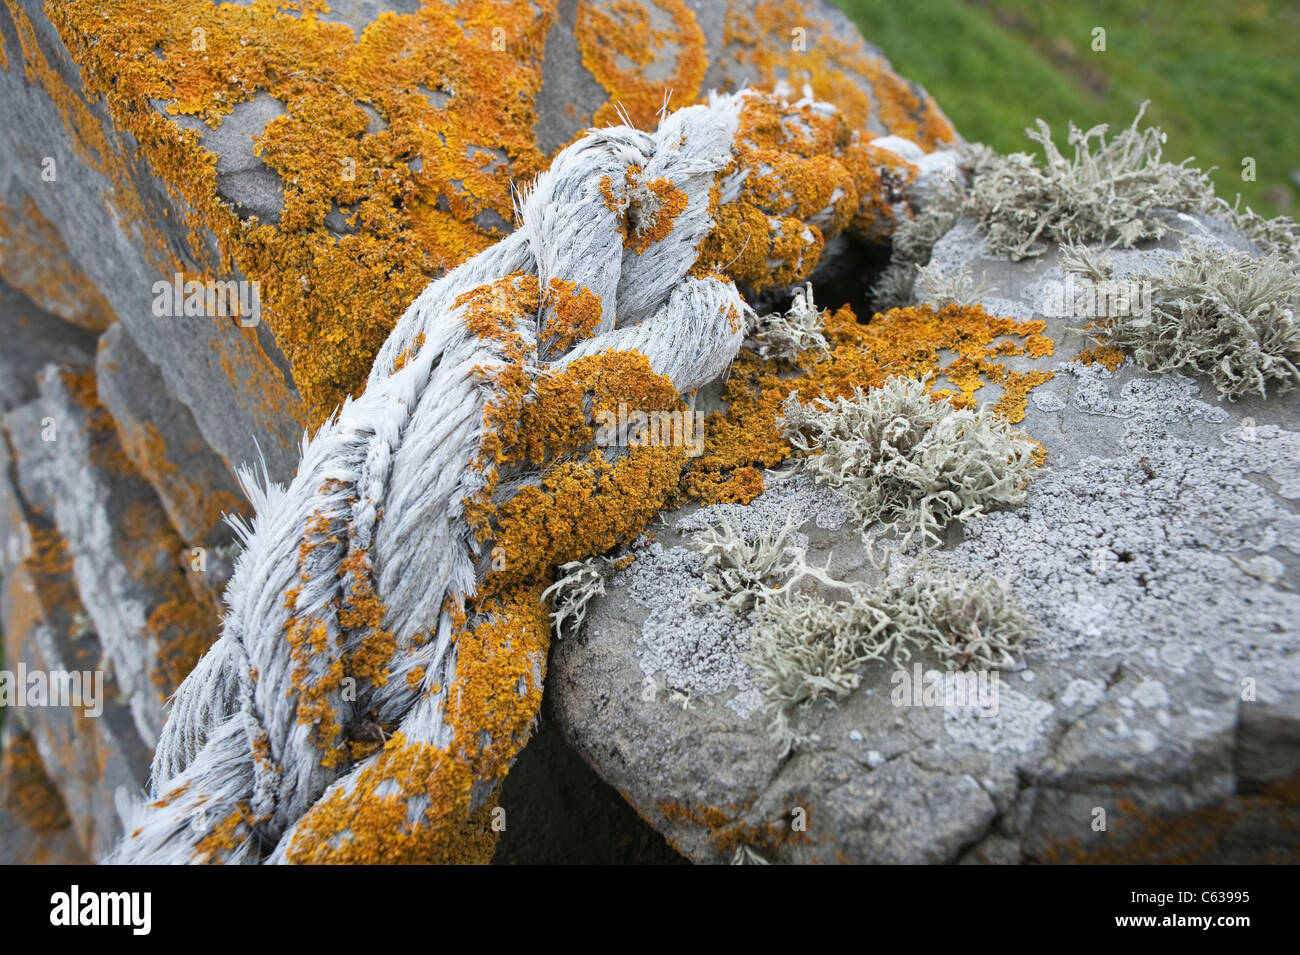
(235, 743)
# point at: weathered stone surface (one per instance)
(158, 435)
(1159, 556)
(125, 555)
(35, 822)
(46, 628)
(32, 339)
(122, 232)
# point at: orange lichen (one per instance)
(907, 341)
(654, 215)
(331, 299)
(409, 352)
(1107, 356)
(35, 259)
(773, 41)
(728, 832)
(492, 309)
(623, 41)
(800, 164)
(183, 630)
(225, 836)
(372, 822)
(570, 314)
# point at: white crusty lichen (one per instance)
(909, 460)
(787, 335)
(576, 583)
(1227, 315)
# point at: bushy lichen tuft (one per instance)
(909, 460)
(805, 648)
(787, 335)
(1106, 192)
(1110, 191)
(576, 583)
(957, 288)
(1227, 315)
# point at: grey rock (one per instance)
(207, 364)
(32, 339)
(126, 557)
(158, 434)
(46, 628)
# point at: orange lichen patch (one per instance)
(49, 555)
(651, 217)
(202, 507)
(228, 834)
(581, 505)
(308, 638)
(727, 832)
(906, 341)
(1153, 835)
(331, 300)
(801, 164)
(621, 41)
(497, 688)
(1108, 356)
(368, 658)
(839, 69)
(28, 792)
(183, 629)
(409, 352)
(570, 314)
(35, 260)
(371, 821)
(493, 308)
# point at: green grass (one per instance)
(1223, 77)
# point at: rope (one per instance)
(341, 714)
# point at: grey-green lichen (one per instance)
(576, 583)
(961, 287)
(910, 461)
(1110, 190)
(1106, 192)
(1223, 314)
(805, 648)
(787, 335)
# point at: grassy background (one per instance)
(1223, 77)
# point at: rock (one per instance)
(126, 557)
(63, 157)
(86, 756)
(159, 437)
(310, 206)
(32, 340)
(37, 828)
(1159, 697)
